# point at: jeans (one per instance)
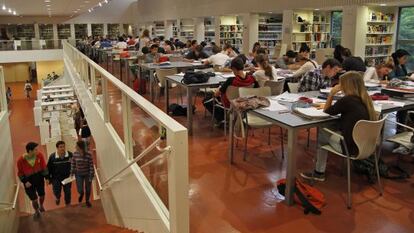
(325, 138)
(57, 189)
(80, 181)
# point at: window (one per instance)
(336, 29)
(405, 38)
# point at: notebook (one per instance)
(311, 113)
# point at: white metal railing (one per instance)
(12, 205)
(134, 161)
(97, 177)
(83, 69)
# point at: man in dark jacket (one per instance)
(59, 169)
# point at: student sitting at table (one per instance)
(105, 43)
(320, 78)
(253, 53)
(307, 63)
(121, 43)
(379, 72)
(286, 60)
(157, 41)
(168, 47)
(131, 41)
(153, 55)
(400, 58)
(354, 106)
(144, 40)
(196, 54)
(352, 63)
(218, 59)
(240, 80)
(264, 71)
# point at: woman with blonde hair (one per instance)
(145, 39)
(356, 105)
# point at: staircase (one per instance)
(73, 219)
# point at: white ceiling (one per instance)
(58, 7)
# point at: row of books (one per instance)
(379, 28)
(379, 16)
(379, 39)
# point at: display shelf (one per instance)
(270, 31)
(63, 31)
(46, 31)
(159, 29)
(81, 31)
(187, 29)
(114, 30)
(231, 31)
(97, 29)
(312, 28)
(380, 35)
(209, 29)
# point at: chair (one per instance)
(366, 135)
(293, 87)
(253, 121)
(276, 86)
(232, 92)
(403, 139)
(161, 75)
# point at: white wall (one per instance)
(31, 55)
(9, 220)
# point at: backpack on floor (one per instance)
(179, 110)
(310, 198)
(367, 167)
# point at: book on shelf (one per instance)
(380, 16)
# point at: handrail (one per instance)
(12, 204)
(97, 177)
(140, 156)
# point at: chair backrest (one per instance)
(293, 87)
(261, 91)
(163, 73)
(366, 135)
(276, 86)
(232, 92)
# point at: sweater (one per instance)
(29, 173)
(82, 165)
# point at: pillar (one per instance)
(250, 31)
(105, 29)
(354, 28)
(199, 29)
(89, 29)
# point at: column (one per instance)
(37, 31)
(89, 29)
(287, 28)
(217, 22)
(55, 36)
(199, 29)
(168, 27)
(354, 28)
(72, 31)
(250, 31)
(105, 29)
(121, 29)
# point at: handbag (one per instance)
(191, 77)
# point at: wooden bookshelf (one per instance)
(380, 35)
(231, 31)
(312, 28)
(270, 31)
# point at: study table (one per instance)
(212, 82)
(65, 90)
(56, 87)
(293, 123)
(151, 67)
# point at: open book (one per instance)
(311, 113)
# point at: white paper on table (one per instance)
(373, 92)
(372, 84)
(312, 112)
(275, 106)
(68, 180)
(377, 107)
(180, 74)
(392, 102)
(227, 75)
(318, 101)
(196, 62)
(287, 97)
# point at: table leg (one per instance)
(167, 97)
(151, 87)
(189, 111)
(291, 165)
(128, 82)
(231, 131)
(120, 69)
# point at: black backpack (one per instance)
(191, 77)
(178, 110)
(367, 167)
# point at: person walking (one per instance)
(32, 170)
(28, 89)
(59, 165)
(82, 169)
(86, 134)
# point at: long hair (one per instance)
(264, 62)
(145, 33)
(82, 146)
(352, 83)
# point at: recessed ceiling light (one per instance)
(14, 12)
(89, 10)
(106, 1)
(100, 4)
(86, 1)
(317, 9)
(78, 9)
(383, 4)
(10, 11)
(48, 5)
(47, 0)
(4, 7)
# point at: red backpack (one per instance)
(305, 195)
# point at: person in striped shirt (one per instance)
(82, 169)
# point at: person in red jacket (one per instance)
(32, 171)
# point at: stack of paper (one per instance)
(287, 97)
(275, 106)
(311, 113)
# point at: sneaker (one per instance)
(57, 201)
(88, 204)
(36, 215)
(80, 198)
(313, 176)
(41, 208)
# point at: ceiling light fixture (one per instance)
(106, 1)
(4, 7)
(100, 4)
(10, 11)
(383, 4)
(14, 12)
(89, 10)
